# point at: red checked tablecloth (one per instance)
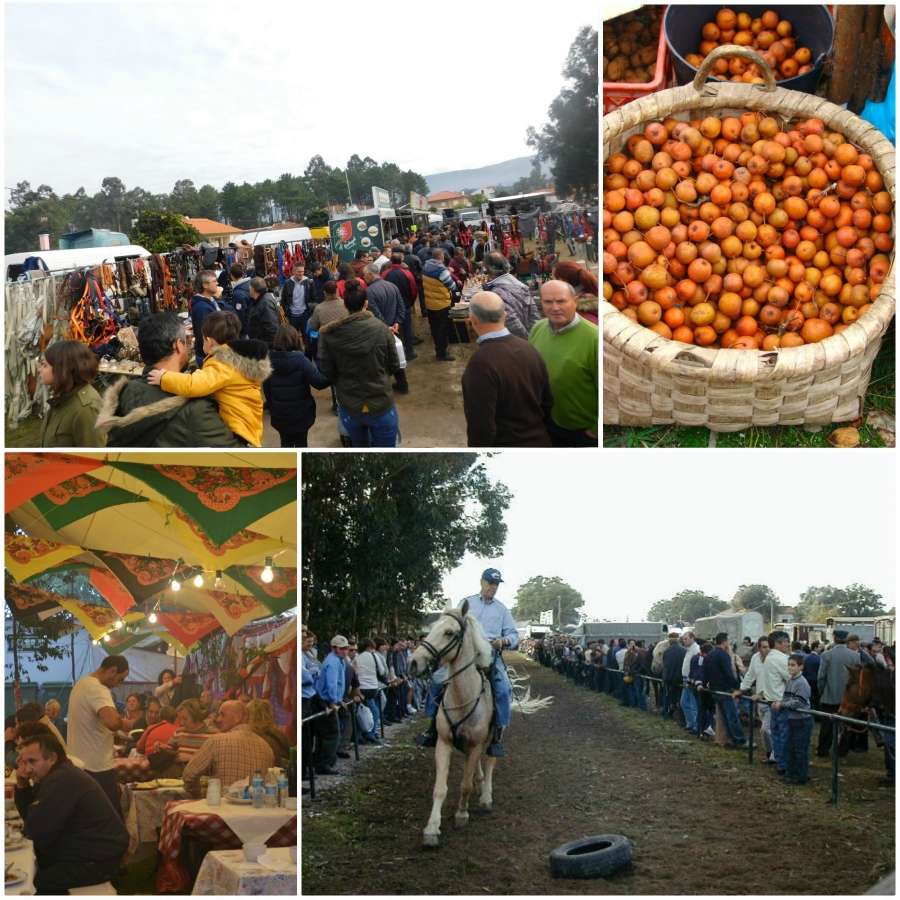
(209, 824)
(136, 769)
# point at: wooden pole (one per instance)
(848, 26)
(871, 58)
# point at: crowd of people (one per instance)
(708, 686)
(535, 381)
(370, 673)
(66, 790)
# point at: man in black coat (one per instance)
(672, 658)
(298, 297)
(263, 322)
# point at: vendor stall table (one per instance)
(144, 813)
(23, 860)
(227, 873)
(133, 769)
(226, 827)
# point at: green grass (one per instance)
(881, 396)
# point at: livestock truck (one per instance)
(738, 625)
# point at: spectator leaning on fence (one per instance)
(688, 697)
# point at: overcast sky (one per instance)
(153, 93)
(639, 526)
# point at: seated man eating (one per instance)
(79, 839)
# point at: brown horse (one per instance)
(465, 712)
(867, 686)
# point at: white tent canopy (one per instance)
(288, 235)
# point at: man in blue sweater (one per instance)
(719, 675)
(330, 685)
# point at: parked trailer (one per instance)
(884, 629)
(738, 625)
(864, 626)
(807, 631)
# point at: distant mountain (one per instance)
(507, 172)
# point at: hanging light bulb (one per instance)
(219, 582)
(198, 581)
(267, 575)
(95, 643)
(118, 623)
(106, 638)
(152, 618)
(176, 584)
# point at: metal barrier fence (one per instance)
(754, 704)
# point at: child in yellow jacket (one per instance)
(232, 373)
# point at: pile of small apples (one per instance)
(732, 232)
(770, 37)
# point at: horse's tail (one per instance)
(528, 706)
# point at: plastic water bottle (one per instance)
(271, 790)
(258, 788)
(282, 785)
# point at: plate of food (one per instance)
(146, 785)
(14, 876)
(234, 798)
(15, 840)
(11, 814)
(170, 782)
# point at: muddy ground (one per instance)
(701, 819)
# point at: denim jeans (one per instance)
(778, 719)
(372, 431)
(565, 437)
(728, 710)
(689, 707)
(796, 748)
(371, 700)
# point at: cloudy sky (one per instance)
(641, 526)
(152, 93)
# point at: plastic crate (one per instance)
(618, 93)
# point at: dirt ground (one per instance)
(702, 821)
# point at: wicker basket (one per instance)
(648, 380)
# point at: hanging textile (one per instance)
(27, 556)
(282, 264)
(142, 576)
(233, 610)
(234, 550)
(111, 589)
(118, 644)
(97, 619)
(223, 500)
(75, 498)
(26, 600)
(188, 627)
(279, 595)
(29, 474)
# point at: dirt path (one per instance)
(701, 820)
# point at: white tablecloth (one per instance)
(22, 859)
(227, 873)
(249, 824)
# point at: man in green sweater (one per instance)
(570, 346)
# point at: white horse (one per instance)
(464, 716)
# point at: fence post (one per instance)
(750, 732)
(835, 760)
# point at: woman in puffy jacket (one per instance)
(291, 404)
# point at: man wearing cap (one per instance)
(330, 686)
(499, 628)
(831, 682)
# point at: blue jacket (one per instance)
(318, 284)
(331, 680)
(309, 684)
(386, 302)
(240, 299)
(718, 672)
(291, 404)
(201, 307)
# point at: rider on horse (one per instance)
(500, 629)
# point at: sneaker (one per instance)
(411, 709)
(709, 731)
(447, 358)
(411, 354)
(399, 389)
(428, 739)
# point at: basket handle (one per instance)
(733, 50)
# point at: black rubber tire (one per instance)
(591, 857)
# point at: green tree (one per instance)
(758, 597)
(859, 600)
(571, 139)
(477, 199)
(380, 532)
(113, 203)
(208, 202)
(316, 175)
(541, 593)
(686, 606)
(162, 232)
(317, 218)
(183, 199)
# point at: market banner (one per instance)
(232, 551)
(98, 620)
(78, 497)
(26, 600)
(111, 589)
(278, 595)
(188, 627)
(381, 199)
(118, 644)
(223, 500)
(358, 233)
(233, 610)
(28, 474)
(26, 556)
(418, 202)
(142, 576)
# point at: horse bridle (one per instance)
(455, 642)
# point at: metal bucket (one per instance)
(813, 24)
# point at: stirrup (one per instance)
(427, 739)
(496, 749)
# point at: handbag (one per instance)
(365, 721)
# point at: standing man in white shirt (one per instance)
(93, 720)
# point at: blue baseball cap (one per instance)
(491, 575)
